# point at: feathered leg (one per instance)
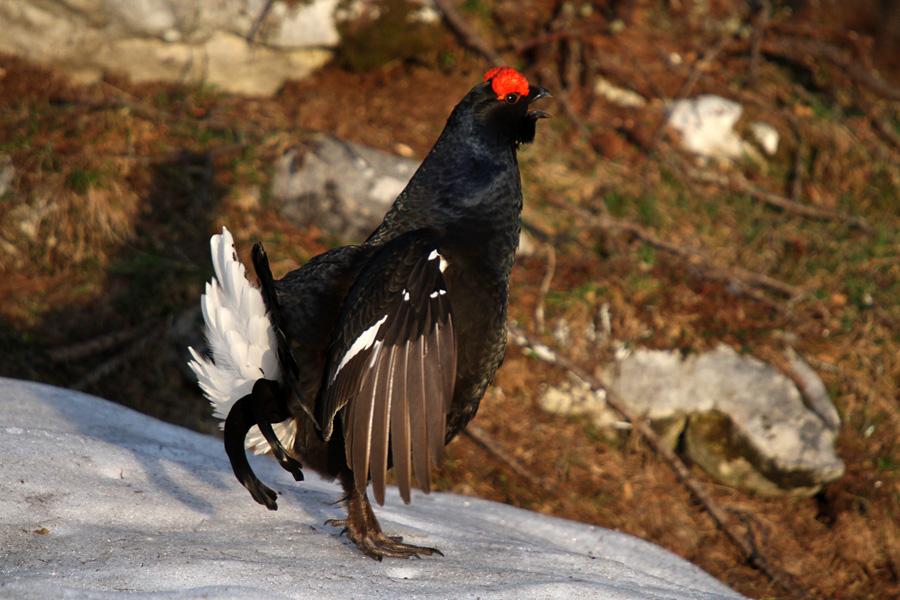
(363, 529)
(240, 419)
(269, 407)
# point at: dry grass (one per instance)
(118, 187)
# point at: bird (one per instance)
(376, 355)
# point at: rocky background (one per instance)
(706, 333)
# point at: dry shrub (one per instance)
(55, 227)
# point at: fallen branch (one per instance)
(545, 288)
(487, 442)
(96, 345)
(257, 22)
(885, 130)
(759, 29)
(469, 37)
(702, 63)
(808, 52)
(110, 366)
(739, 184)
(745, 543)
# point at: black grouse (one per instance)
(378, 355)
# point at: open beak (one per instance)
(536, 93)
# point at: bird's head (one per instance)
(502, 103)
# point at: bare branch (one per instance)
(805, 52)
(488, 443)
(739, 184)
(545, 288)
(469, 37)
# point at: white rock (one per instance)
(99, 501)
(344, 187)
(766, 136)
(788, 446)
(175, 41)
(618, 95)
(305, 25)
(706, 125)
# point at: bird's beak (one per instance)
(536, 93)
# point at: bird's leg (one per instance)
(268, 408)
(240, 420)
(363, 529)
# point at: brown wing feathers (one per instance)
(392, 370)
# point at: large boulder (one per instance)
(742, 421)
(341, 186)
(176, 41)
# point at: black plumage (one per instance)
(386, 348)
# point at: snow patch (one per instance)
(174, 524)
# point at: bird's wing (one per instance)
(392, 366)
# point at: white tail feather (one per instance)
(241, 339)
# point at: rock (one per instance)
(577, 398)
(744, 422)
(618, 95)
(766, 136)
(173, 41)
(706, 125)
(344, 187)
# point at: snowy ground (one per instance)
(100, 502)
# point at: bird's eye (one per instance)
(511, 98)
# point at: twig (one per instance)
(545, 288)
(739, 184)
(95, 345)
(251, 35)
(550, 36)
(886, 132)
(797, 183)
(487, 442)
(802, 50)
(759, 29)
(701, 65)
(468, 36)
(561, 96)
(751, 553)
(110, 366)
(812, 389)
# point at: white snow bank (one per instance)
(100, 502)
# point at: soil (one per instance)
(103, 247)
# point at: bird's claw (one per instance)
(375, 544)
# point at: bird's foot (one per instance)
(375, 544)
